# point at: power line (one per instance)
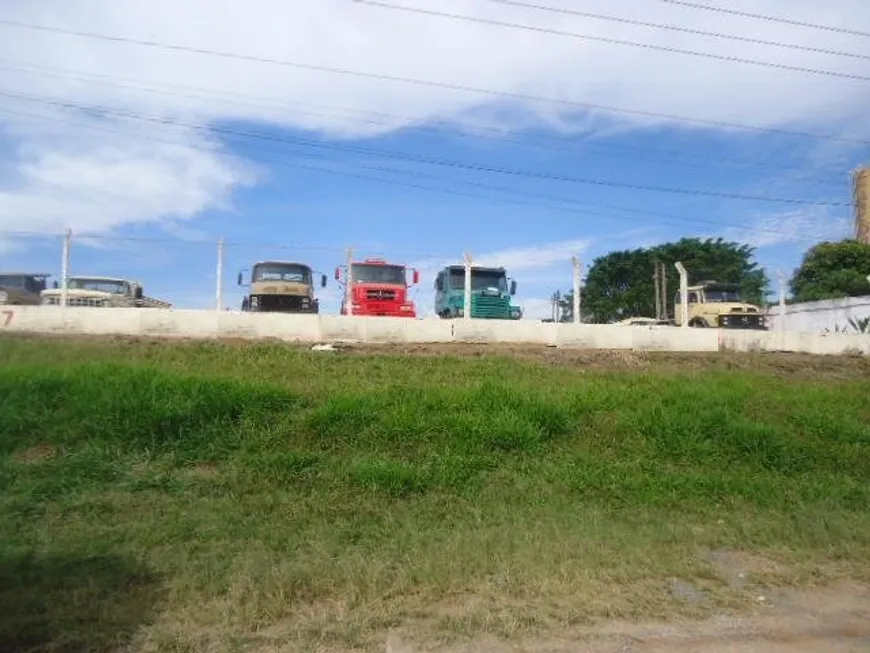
(772, 19)
(614, 41)
(570, 208)
(679, 28)
(434, 84)
(435, 161)
(499, 134)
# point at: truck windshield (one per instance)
(98, 285)
(11, 281)
(722, 296)
(274, 272)
(387, 274)
(480, 279)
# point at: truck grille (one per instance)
(483, 306)
(741, 321)
(75, 301)
(381, 295)
(282, 303)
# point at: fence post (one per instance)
(219, 298)
(466, 311)
(578, 272)
(780, 323)
(64, 268)
(348, 286)
(684, 293)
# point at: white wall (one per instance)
(816, 317)
(333, 328)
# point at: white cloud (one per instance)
(70, 175)
(804, 226)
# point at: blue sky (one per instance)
(153, 155)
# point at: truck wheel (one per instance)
(698, 324)
(445, 314)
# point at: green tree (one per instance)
(831, 271)
(621, 284)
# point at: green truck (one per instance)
(491, 293)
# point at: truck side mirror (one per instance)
(323, 281)
(438, 284)
(138, 292)
(56, 285)
(338, 274)
(239, 281)
(513, 287)
(416, 277)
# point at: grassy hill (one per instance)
(176, 496)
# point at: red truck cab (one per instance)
(379, 288)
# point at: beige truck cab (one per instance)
(718, 306)
(281, 287)
(102, 292)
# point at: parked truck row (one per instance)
(374, 287)
(31, 289)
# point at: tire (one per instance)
(698, 324)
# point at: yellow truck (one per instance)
(101, 292)
(281, 287)
(718, 306)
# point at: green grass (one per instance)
(179, 496)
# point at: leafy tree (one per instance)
(831, 271)
(621, 284)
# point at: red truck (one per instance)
(379, 288)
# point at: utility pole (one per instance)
(684, 294)
(780, 323)
(555, 307)
(348, 286)
(578, 274)
(466, 311)
(64, 268)
(861, 191)
(658, 286)
(219, 292)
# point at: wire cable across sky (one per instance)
(588, 106)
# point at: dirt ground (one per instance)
(774, 363)
(780, 364)
(834, 619)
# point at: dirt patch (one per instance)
(833, 619)
(37, 454)
(786, 365)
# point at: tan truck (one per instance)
(718, 306)
(281, 287)
(102, 292)
(21, 288)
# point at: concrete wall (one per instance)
(168, 323)
(818, 317)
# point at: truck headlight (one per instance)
(4, 297)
